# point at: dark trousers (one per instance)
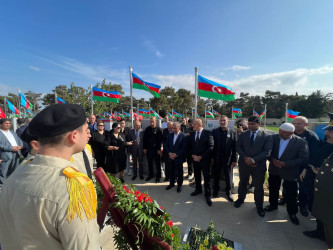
(329, 235)
(8, 167)
(189, 161)
(203, 166)
(176, 170)
(167, 167)
(227, 170)
(152, 157)
(274, 182)
(306, 191)
(258, 179)
(137, 158)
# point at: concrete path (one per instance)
(243, 225)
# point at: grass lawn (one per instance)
(273, 128)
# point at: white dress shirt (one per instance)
(10, 137)
(283, 145)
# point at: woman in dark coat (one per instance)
(116, 154)
(97, 141)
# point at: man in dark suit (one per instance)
(175, 151)
(22, 125)
(224, 155)
(201, 144)
(125, 130)
(152, 142)
(254, 147)
(189, 160)
(10, 145)
(166, 132)
(136, 136)
(323, 192)
(289, 153)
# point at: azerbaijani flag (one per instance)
(2, 114)
(215, 112)
(60, 101)
(291, 114)
(144, 112)
(170, 114)
(255, 113)
(263, 114)
(24, 102)
(105, 96)
(174, 113)
(152, 88)
(154, 113)
(126, 114)
(214, 90)
(12, 108)
(209, 114)
(236, 113)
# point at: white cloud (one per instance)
(34, 68)
(238, 68)
(152, 48)
(6, 88)
(286, 82)
(185, 81)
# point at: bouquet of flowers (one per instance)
(144, 213)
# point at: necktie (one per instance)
(197, 139)
(87, 164)
(252, 138)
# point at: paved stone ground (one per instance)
(243, 225)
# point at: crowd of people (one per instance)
(47, 186)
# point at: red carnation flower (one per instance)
(172, 235)
(169, 223)
(214, 248)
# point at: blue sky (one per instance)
(249, 45)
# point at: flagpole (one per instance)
(286, 112)
(92, 97)
(55, 97)
(5, 106)
(232, 113)
(196, 92)
(19, 102)
(131, 91)
(265, 117)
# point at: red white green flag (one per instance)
(209, 114)
(24, 102)
(210, 89)
(2, 114)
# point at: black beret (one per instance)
(57, 119)
(27, 136)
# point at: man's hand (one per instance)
(15, 149)
(302, 175)
(196, 158)
(248, 160)
(234, 164)
(314, 169)
(159, 152)
(145, 151)
(19, 147)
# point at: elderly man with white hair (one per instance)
(289, 152)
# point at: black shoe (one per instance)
(282, 201)
(304, 211)
(270, 208)
(169, 187)
(166, 179)
(134, 177)
(261, 212)
(157, 180)
(196, 192)
(238, 203)
(188, 176)
(209, 201)
(141, 177)
(179, 189)
(149, 178)
(215, 194)
(230, 197)
(294, 219)
(122, 180)
(315, 234)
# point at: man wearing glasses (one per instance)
(10, 145)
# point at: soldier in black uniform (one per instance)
(323, 190)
